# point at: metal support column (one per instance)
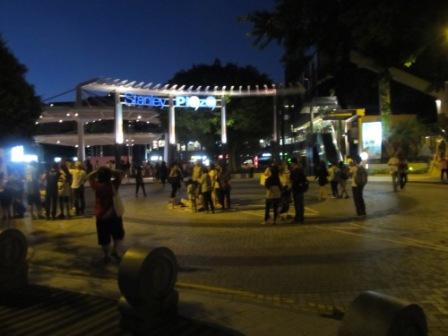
(274, 143)
(81, 141)
(119, 135)
(80, 127)
(171, 145)
(223, 122)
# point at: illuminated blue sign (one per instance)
(180, 101)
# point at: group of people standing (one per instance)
(60, 184)
(282, 182)
(398, 168)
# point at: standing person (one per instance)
(393, 164)
(32, 184)
(322, 179)
(5, 197)
(299, 185)
(273, 194)
(334, 177)
(443, 168)
(215, 172)
(285, 181)
(15, 185)
(88, 166)
(109, 224)
(174, 178)
(225, 187)
(206, 190)
(139, 180)
(344, 176)
(359, 180)
(192, 194)
(78, 179)
(402, 172)
(163, 173)
(64, 183)
(51, 191)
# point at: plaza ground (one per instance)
(258, 279)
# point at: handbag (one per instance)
(118, 203)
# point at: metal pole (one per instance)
(282, 125)
(223, 121)
(80, 127)
(274, 144)
(81, 141)
(171, 132)
(119, 136)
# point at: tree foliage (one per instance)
(19, 106)
(406, 138)
(248, 119)
(400, 33)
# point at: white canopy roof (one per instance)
(97, 139)
(142, 88)
(90, 114)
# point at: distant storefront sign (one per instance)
(372, 137)
(194, 102)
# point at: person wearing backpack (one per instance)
(344, 176)
(359, 180)
(273, 194)
(299, 185)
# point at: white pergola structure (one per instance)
(83, 115)
(171, 95)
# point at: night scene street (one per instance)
(272, 167)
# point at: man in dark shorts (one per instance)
(108, 222)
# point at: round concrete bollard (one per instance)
(375, 314)
(144, 278)
(13, 249)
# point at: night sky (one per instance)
(64, 42)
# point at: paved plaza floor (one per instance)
(308, 270)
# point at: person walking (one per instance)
(402, 172)
(32, 185)
(443, 168)
(322, 179)
(174, 178)
(78, 179)
(139, 182)
(393, 164)
(334, 177)
(51, 191)
(273, 194)
(109, 223)
(163, 173)
(343, 178)
(225, 187)
(299, 185)
(206, 190)
(359, 180)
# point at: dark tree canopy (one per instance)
(19, 106)
(401, 33)
(248, 119)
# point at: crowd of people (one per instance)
(287, 184)
(54, 192)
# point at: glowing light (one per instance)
(75, 158)
(58, 142)
(18, 155)
(60, 120)
(364, 156)
(57, 159)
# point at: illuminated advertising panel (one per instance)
(372, 137)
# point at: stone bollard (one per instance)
(13, 263)
(146, 282)
(375, 314)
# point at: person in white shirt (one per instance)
(393, 164)
(78, 179)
